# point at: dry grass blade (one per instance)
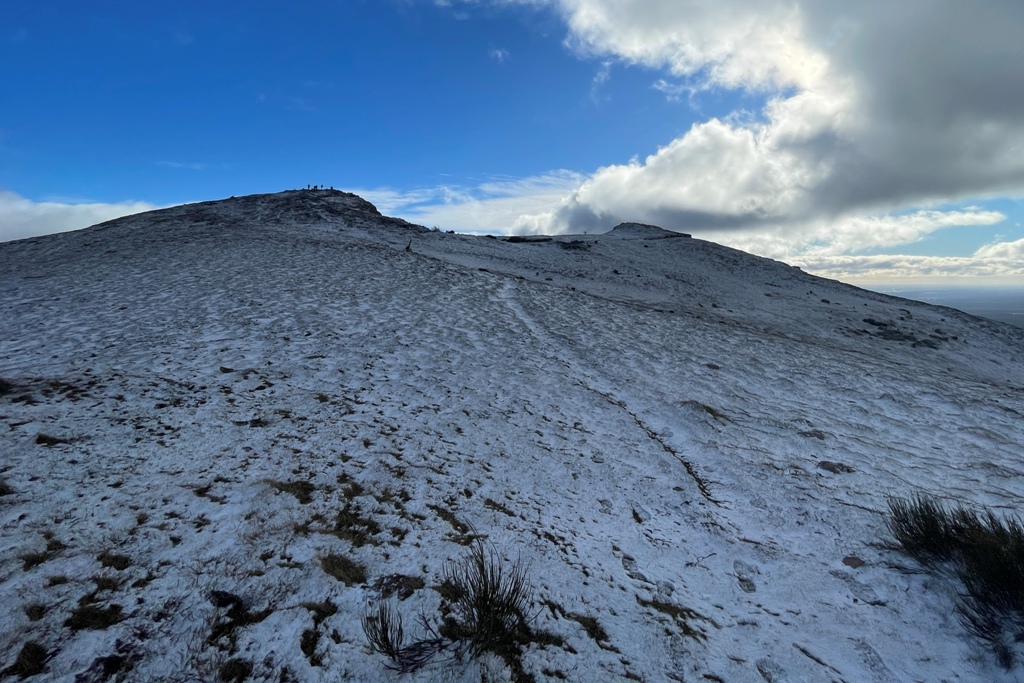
(385, 635)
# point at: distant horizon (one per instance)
(1001, 302)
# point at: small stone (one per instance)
(745, 576)
(835, 467)
(853, 561)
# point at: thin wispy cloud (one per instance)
(188, 166)
(301, 104)
(602, 77)
(500, 55)
(490, 206)
(183, 38)
(674, 92)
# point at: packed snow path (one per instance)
(688, 446)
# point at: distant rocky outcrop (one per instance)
(643, 231)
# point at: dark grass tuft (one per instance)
(34, 611)
(343, 569)
(484, 609)
(31, 660)
(491, 602)
(321, 610)
(236, 615)
(984, 551)
(235, 670)
(114, 561)
(302, 490)
(90, 617)
(924, 529)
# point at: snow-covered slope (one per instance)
(690, 449)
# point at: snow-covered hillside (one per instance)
(689, 448)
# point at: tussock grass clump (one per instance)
(984, 551)
(490, 603)
(925, 530)
(484, 610)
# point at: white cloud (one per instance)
(21, 218)
(674, 91)
(500, 54)
(843, 235)
(974, 269)
(1010, 251)
(745, 43)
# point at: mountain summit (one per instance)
(234, 428)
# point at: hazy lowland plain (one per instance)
(232, 430)
(1004, 303)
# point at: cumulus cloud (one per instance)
(500, 54)
(1001, 262)
(21, 217)
(1009, 251)
(873, 109)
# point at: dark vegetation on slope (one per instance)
(484, 610)
(985, 552)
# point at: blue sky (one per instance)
(780, 128)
